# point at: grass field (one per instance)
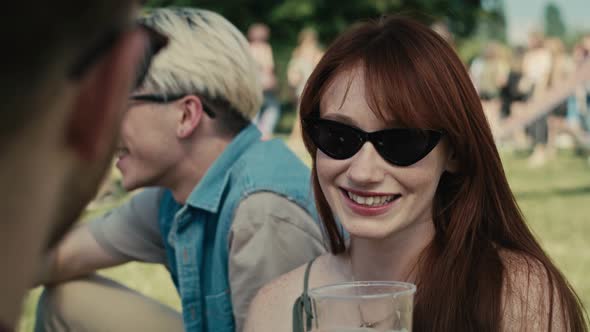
(555, 200)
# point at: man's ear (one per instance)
(101, 97)
(192, 113)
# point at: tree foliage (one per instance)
(554, 25)
(287, 17)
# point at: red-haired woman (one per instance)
(404, 159)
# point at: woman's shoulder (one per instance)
(523, 272)
(272, 307)
(530, 299)
(519, 266)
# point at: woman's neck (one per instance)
(391, 258)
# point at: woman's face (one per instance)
(371, 197)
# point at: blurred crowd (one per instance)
(531, 88)
(305, 56)
(508, 80)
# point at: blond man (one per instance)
(227, 212)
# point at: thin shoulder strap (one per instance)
(306, 277)
(303, 305)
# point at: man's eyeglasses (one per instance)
(162, 99)
(156, 42)
(398, 146)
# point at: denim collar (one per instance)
(207, 194)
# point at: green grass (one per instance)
(555, 200)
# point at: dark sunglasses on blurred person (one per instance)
(398, 146)
(156, 42)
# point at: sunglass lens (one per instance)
(335, 140)
(404, 147)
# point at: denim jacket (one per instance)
(196, 234)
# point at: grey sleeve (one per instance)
(131, 231)
(270, 236)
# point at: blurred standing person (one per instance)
(586, 44)
(516, 88)
(63, 97)
(578, 115)
(537, 69)
(562, 67)
(304, 59)
(583, 57)
(270, 112)
(489, 73)
(537, 63)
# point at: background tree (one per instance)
(554, 25)
(286, 18)
(491, 26)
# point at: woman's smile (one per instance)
(369, 203)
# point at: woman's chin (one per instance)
(375, 232)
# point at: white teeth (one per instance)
(361, 200)
(371, 200)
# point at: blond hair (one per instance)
(207, 56)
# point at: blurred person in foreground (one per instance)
(227, 212)
(64, 88)
(404, 159)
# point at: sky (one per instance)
(525, 15)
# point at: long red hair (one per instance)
(412, 74)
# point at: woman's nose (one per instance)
(365, 166)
